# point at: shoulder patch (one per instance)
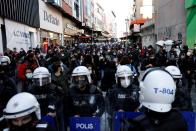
(41, 125)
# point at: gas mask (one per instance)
(81, 81)
(125, 82)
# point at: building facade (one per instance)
(67, 6)
(51, 24)
(33, 23)
(77, 9)
(113, 31)
(148, 33)
(19, 24)
(148, 29)
(2, 27)
(99, 16)
(137, 21)
(170, 20)
(137, 4)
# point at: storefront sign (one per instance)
(18, 35)
(51, 19)
(136, 28)
(70, 27)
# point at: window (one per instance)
(76, 9)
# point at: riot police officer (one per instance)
(7, 86)
(182, 98)
(22, 113)
(157, 94)
(48, 95)
(84, 98)
(124, 96)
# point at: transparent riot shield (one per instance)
(120, 119)
(120, 100)
(87, 112)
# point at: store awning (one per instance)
(138, 21)
(107, 35)
(84, 37)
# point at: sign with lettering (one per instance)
(84, 124)
(22, 34)
(18, 35)
(50, 18)
(71, 27)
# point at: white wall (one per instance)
(18, 35)
(50, 18)
(148, 40)
(1, 42)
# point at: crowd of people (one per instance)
(41, 91)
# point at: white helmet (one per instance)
(174, 71)
(41, 76)
(4, 60)
(124, 71)
(157, 90)
(82, 71)
(22, 104)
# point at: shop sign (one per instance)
(71, 27)
(136, 28)
(18, 35)
(50, 18)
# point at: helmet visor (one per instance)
(80, 81)
(41, 81)
(4, 63)
(125, 81)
